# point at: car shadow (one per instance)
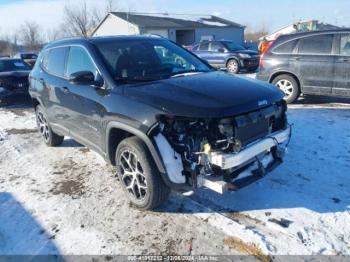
(18, 102)
(321, 100)
(69, 142)
(20, 233)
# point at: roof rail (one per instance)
(156, 35)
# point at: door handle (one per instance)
(65, 90)
(343, 60)
(296, 58)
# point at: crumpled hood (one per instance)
(214, 94)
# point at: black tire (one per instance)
(232, 66)
(288, 84)
(50, 137)
(133, 150)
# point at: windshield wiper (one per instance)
(135, 80)
(188, 72)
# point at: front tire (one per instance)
(233, 66)
(289, 86)
(139, 176)
(50, 137)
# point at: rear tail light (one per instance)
(266, 47)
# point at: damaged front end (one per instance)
(226, 153)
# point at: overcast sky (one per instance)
(273, 13)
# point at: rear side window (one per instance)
(204, 46)
(286, 48)
(79, 60)
(215, 46)
(345, 44)
(55, 61)
(320, 44)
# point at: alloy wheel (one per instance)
(43, 126)
(132, 175)
(232, 66)
(286, 87)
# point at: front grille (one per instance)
(14, 82)
(258, 124)
(252, 131)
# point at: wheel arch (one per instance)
(231, 58)
(117, 131)
(35, 102)
(276, 74)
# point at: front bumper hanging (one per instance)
(259, 157)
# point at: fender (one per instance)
(280, 72)
(152, 149)
(231, 57)
(34, 97)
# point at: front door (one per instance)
(87, 109)
(218, 54)
(315, 63)
(342, 66)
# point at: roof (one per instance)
(315, 32)
(173, 21)
(97, 39)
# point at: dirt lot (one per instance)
(66, 200)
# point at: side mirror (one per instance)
(85, 78)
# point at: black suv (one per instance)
(13, 79)
(159, 114)
(315, 63)
(227, 54)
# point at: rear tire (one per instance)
(139, 176)
(50, 137)
(289, 86)
(232, 66)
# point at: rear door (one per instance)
(315, 63)
(217, 54)
(203, 51)
(85, 107)
(53, 84)
(342, 65)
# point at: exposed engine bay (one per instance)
(223, 148)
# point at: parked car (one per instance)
(315, 63)
(227, 54)
(159, 114)
(13, 78)
(29, 58)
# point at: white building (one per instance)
(184, 30)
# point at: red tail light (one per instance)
(264, 50)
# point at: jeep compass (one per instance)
(164, 118)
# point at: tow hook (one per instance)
(260, 171)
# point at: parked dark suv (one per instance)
(315, 63)
(13, 79)
(159, 114)
(227, 54)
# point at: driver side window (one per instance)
(79, 60)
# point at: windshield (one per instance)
(29, 56)
(143, 60)
(232, 46)
(13, 65)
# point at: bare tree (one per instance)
(31, 36)
(254, 35)
(76, 20)
(81, 20)
(110, 6)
